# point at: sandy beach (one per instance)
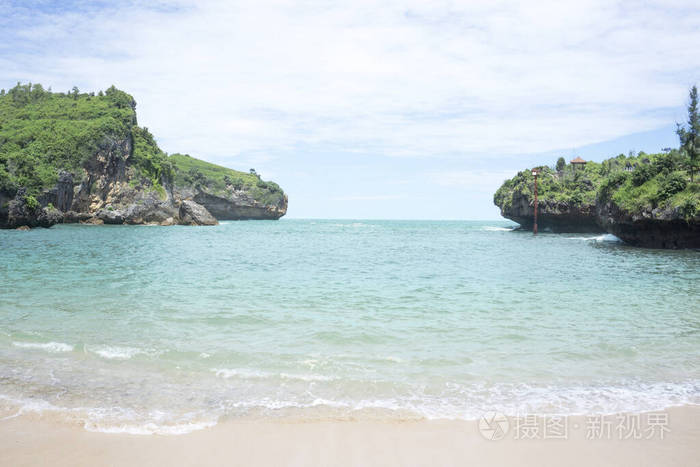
(33, 440)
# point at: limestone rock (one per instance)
(19, 213)
(192, 213)
(654, 229)
(552, 216)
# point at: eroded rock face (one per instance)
(109, 191)
(237, 206)
(192, 213)
(650, 229)
(233, 204)
(60, 196)
(19, 213)
(552, 216)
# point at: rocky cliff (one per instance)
(552, 216)
(646, 200)
(566, 201)
(652, 228)
(82, 158)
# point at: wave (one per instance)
(240, 373)
(489, 228)
(393, 359)
(118, 353)
(150, 428)
(472, 402)
(52, 347)
(354, 225)
(304, 377)
(244, 373)
(467, 402)
(598, 238)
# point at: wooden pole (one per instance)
(534, 227)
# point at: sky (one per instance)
(375, 109)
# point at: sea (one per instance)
(167, 330)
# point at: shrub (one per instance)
(577, 197)
(642, 173)
(688, 208)
(611, 183)
(673, 183)
(31, 202)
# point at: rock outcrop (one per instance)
(233, 204)
(654, 228)
(646, 200)
(61, 196)
(110, 193)
(552, 216)
(192, 213)
(20, 212)
(650, 229)
(105, 169)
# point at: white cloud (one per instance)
(484, 181)
(412, 78)
(313, 93)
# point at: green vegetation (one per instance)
(561, 164)
(43, 133)
(216, 179)
(31, 201)
(148, 159)
(658, 181)
(574, 186)
(635, 183)
(690, 135)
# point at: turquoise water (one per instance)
(169, 329)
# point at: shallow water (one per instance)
(168, 329)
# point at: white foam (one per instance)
(304, 377)
(29, 405)
(354, 225)
(113, 352)
(256, 374)
(391, 358)
(149, 428)
(458, 402)
(240, 373)
(489, 228)
(598, 238)
(52, 347)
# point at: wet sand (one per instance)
(39, 440)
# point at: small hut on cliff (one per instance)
(578, 162)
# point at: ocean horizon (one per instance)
(172, 329)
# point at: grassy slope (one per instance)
(574, 187)
(654, 181)
(42, 133)
(215, 179)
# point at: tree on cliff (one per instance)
(561, 163)
(690, 136)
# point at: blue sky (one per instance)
(364, 109)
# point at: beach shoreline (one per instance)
(33, 439)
